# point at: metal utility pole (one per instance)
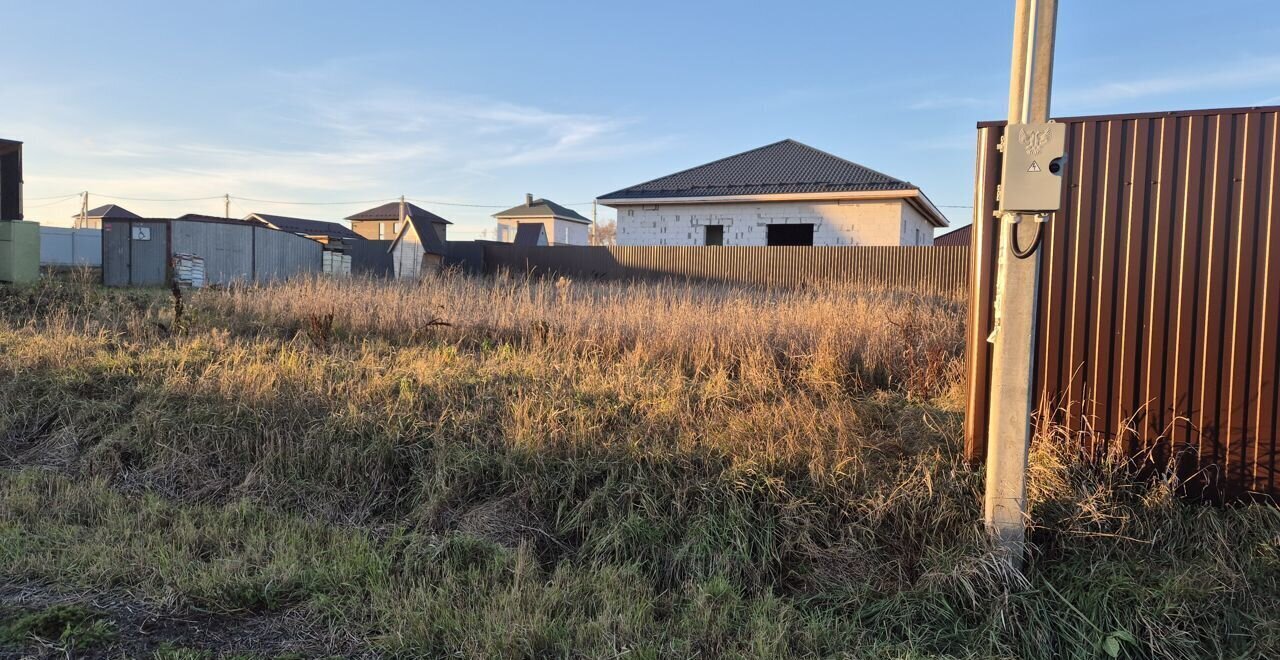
(226, 206)
(595, 226)
(1033, 150)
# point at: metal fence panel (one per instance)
(370, 258)
(63, 246)
(924, 268)
(227, 248)
(280, 255)
(1160, 291)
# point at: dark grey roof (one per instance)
(110, 211)
(426, 234)
(199, 217)
(530, 234)
(782, 167)
(542, 208)
(391, 211)
(961, 236)
(308, 227)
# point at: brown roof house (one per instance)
(560, 225)
(785, 193)
(383, 223)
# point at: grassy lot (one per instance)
(505, 468)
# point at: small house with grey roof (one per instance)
(560, 225)
(92, 219)
(329, 234)
(785, 193)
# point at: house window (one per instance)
(382, 230)
(631, 212)
(917, 236)
(395, 229)
(715, 235)
(798, 234)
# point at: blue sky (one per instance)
(480, 102)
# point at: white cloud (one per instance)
(315, 135)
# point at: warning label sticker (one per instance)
(1035, 167)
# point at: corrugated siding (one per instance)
(926, 268)
(227, 248)
(280, 255)
(1160, 292)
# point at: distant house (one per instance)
(785, 193)
(330, 234)
(961, 236)
(93, 217)
(418, 248)
(562, 226)
(383, 223)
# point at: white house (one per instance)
(418, 247)
(562, 226)
(785, 193)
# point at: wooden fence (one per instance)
(1160, 294)
(927, 269)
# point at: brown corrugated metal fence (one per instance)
(1160, 293)
(931, 269)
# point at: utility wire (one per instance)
(41, 199)
(275, 201)
(148, 199)
(55, 201)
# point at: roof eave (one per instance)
(581, 221)
(768, 197)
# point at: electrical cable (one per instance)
(147, 199)
(59, 197)
(275, 201)
(1035, 243)
(55, 201)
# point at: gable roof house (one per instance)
(561, 225)
(93, 217)
(329, 234)
(785, 193)
(419, 246)
(383, 223)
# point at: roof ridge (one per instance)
(846, 160)
(706, 164)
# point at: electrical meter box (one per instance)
(19, 251)
(1033, 167)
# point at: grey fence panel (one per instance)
(280, 255)
(923, 268)
(370, 258)
(63, 246)
(227, 248)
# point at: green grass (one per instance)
(785, 483)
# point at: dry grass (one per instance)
(516, 468)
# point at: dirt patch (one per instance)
(48, 623)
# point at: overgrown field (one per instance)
(512, 468)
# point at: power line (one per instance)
(149, 199)
(55, 201)
(41, 199)
(275, 201)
